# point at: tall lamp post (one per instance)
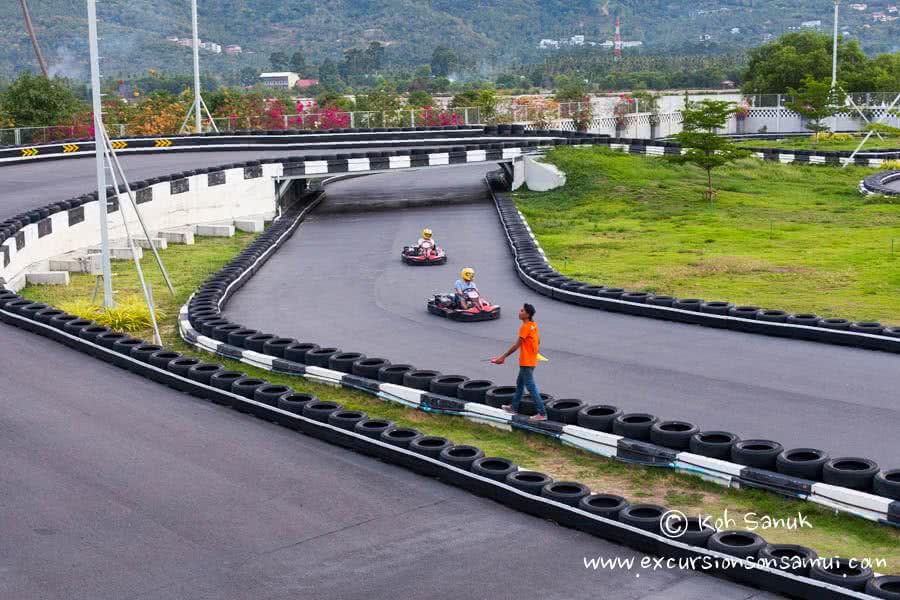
(834, 50)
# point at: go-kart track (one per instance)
(116, 487)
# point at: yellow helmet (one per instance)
(426, 233)
(468, 274)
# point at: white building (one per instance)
(577, 40)
(233, 49)
(546, 43)
(282, 80)
(811, 24)
(211, 47)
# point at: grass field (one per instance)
(809, 143)
(791, 237)
(829, 534)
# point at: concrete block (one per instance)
(178, 235)
(47, 278)
(158, 243)
(215, 230)
(249, 225)
(120, 253)
(76, 263)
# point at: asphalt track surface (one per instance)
(339, 281)
(112, 486)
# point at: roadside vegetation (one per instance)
(791, 237)
(840, 141)
(828, 533)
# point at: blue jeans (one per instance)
(526, 379)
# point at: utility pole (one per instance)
(197, 121)
(834, 51)
(99, 148)
(34, 42)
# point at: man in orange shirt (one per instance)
(528, 343)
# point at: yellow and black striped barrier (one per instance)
(163, 143)
(70, 148)
(27, 152)
(118, 145)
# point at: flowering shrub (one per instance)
(539, 110)
(431, 117)
(623, 107)
(313, 116)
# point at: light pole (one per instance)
(834, 49)
(197, 123)
(99, 149)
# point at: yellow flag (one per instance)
(542, 358)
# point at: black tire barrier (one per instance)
(661, 301)
(461, 456)
(47, 314)
(744, 312)
(162, 358)
(569, 493)
(297, 352)
(840, 571)
(92, 333)
(320, 356)
(246, 387)
(60, 321)
(276, 346)
(74, 326)
(529, 407)
(373, 428)
(222, 380)
(108, 340)
(209, 326)
(605, 505)
(790, 558)
(430, 445)
(257, 342)
(181, 366)
(742, 544)
(714, 444)
(673, 434)
(203, 372)
(493, 467)
(369, 367)
(716, 307)
(850, 472)
(564, 410)
(528, 481)
(474, 390)
(143, 352)
(270, 393)
(688, 304)
(692, 530)
(400, 436)
(344, 361)
(839, 324)
(598, 417)
(643, 516)
(221, 332)
(420, 380)
(634, 425)
(808, 319)
(499, 395)
(126, 345)
(293, 402)
(761, 454)
(346, 419)
(318, 410)
(239, 337)
(886, 586)
(447, 385)
(805, 463)
(394, 373)
(871, 327)
(887, 484)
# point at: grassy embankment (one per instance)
(830, 534)
(797, 238)
(809, 143)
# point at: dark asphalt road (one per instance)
(115, 487)
(339, 281)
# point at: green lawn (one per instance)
(809, 143)
(798, 238)
(830, 534)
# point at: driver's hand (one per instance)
(498, 360)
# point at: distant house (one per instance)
(859, 6)
(211, 47)
(172, 38)
(735, 30)
(811, 24)
(185, 42)
(233, 49)
(547, 43)
(283, 80)
(577, 40)
(305, 83)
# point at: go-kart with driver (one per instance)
(465, 304)
(424, 252)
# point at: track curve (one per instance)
(117, 487)
(365, 300)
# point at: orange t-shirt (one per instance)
(531, 340)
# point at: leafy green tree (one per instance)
(774, 67)
(298, 63)
(704, 147)
(329, 75)
(816, 101)
(439, 85)
(374, 57)
(570, 89)
(330, 98)
(279, 61)
(420, 99)
(485, 100)
(34, 101)
(443, 61)
(248, 76)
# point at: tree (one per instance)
(279, 61)
(35, 101)
(298, 63)
(420, 99)
(443, 60)
(816, 101)
(774, 67)
(705, 148)
(570, 89)
(329, 75)
(248, 76)
(485, 100)
(374, 57)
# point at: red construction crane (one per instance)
(618, 46)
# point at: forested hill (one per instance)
(488, 33)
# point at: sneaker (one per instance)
(539, 418)
(508, 408)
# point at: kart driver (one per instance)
(426, 237)
(465, 282)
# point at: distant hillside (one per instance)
(489, 33)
